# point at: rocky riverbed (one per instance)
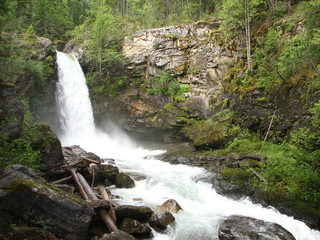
(49, 205)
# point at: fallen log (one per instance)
(62, 180)
(76, 179)
(108, 221)
(103, 213)
(87, 188)
(105, 196)
(91, 160)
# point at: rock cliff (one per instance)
(192, 55)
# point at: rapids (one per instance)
(204, 209)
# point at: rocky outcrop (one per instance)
(192, 53)
(239, 227)
(26, 197)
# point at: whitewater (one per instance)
(203, 208)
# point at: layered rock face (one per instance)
(194, 55)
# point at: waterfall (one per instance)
(72, 95)
(76, 114)
(204, 209)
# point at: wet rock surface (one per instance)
(171, 206)
(135, 212)
(160, 221)
(246, 228)
(124, 181)
(135, 228)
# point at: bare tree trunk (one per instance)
(248, 35)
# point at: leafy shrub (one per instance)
(165, 84)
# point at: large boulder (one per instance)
(171, 205)
(29, 199)
(135, 228)
(135, 212)
(105, 173)
(124, 181)
(160, 221)
(247, 228)
(49, 146)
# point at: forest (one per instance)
(278, 57)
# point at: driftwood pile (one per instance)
(84, 172)
(77, 160)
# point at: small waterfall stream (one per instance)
(204, 209)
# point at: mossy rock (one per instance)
(124, 181)
(241, 176)
(142, 213)
(34, 202)
(48, 144)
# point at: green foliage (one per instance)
(165, 84)
(292, 169)
(101, 35)
(285, 53)
(233, 14)
(294, 56)
(242, 176)
(212, 133)
(21, 150)
(105, 87)
(266, 61)
(19, 57)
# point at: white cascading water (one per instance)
(204, 209)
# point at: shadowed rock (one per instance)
(135, 228)
(160, 221)
(124, 181)
(246, 228)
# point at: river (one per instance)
(204, 209)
